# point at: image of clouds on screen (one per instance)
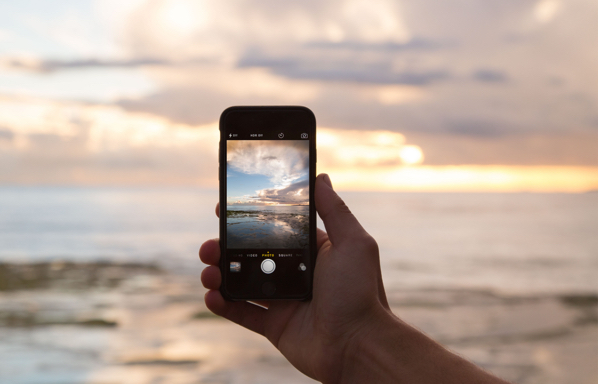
(268, 172)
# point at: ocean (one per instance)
(101, 285)
(507, 242)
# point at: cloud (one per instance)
(414, 44)
(421, 68)
(296, 193)
(436, 49)
(490, 76)
(189, 105)
(340, 148)
(484, 128)
(48, 66)
(283, 162)
(50, 142)
(339, 69)
(382, 62)
(6, 134)
(221, 29)
(537, 149)
(546, 10)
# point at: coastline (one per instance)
(262, 228)
(113, 321)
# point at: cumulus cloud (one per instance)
(296, 193)
(466, 71)
(472, 75)
(213, 28)
(51, 142)
(283, 162)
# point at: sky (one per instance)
(467, 95)
(267, 172)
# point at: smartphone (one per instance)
(267, 213)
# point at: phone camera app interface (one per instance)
(267, 206)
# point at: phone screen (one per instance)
(266, 209)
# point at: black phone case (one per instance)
(223, 198)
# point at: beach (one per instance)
(267, 227)
(102, 285)
(110, 323)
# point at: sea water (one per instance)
(516, 242)
(269, 226)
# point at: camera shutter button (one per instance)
(268, 266)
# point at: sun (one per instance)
(183, 17)
(411, 154)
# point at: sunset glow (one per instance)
(411, 154)
(356, 160)
(105, 93)
(465, 178)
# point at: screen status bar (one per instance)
(280, 135)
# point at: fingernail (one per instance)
(326, 179)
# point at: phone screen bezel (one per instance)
(268, 119)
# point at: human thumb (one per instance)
(341, 225)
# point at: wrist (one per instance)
(371, 356)
(387, 350)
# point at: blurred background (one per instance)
(463, 134)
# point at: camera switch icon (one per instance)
(304, 135)
(280, 135)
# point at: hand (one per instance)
(347, 332)
(347, 292)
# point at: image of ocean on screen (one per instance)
(267, 226)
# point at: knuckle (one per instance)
(343, 208)
(369, 244)
(338, 208)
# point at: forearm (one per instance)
(394, 352)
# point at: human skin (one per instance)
(347, 332)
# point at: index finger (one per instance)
(209, 252)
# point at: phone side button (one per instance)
(268, 288)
